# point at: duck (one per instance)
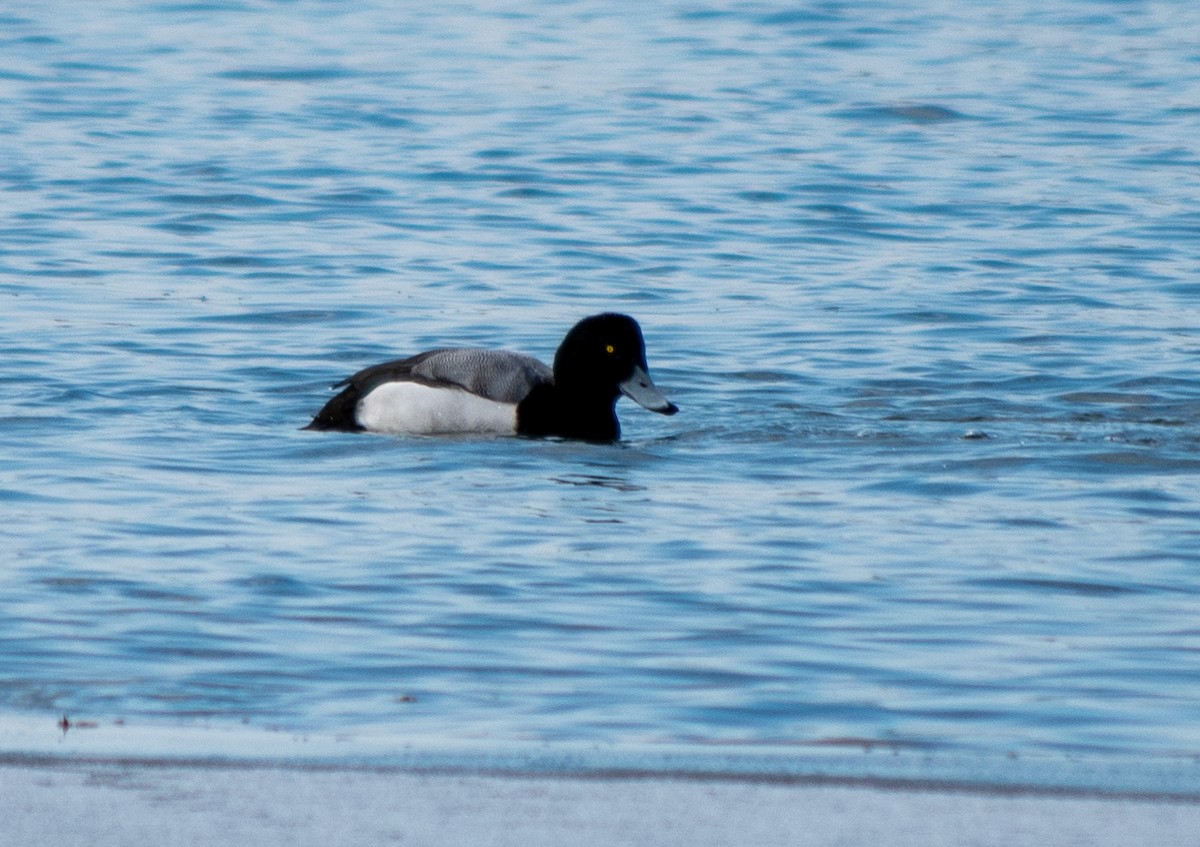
(477, 390)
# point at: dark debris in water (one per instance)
(65, 724)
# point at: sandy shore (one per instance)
(109, 803)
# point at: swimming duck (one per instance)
(460, 390)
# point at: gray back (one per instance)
(495, 374)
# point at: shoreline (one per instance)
(117, 783)
(35, 741)
(600, 773)
(114, 803)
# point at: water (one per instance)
(922, 280)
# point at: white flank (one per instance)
(421, 409)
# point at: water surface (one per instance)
(922, 280)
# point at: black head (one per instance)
(601, 351)
(602, 357)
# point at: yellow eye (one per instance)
(608, 348)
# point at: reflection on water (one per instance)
(616, 484)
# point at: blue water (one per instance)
(921, 277)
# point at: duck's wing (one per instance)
(495, 374)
